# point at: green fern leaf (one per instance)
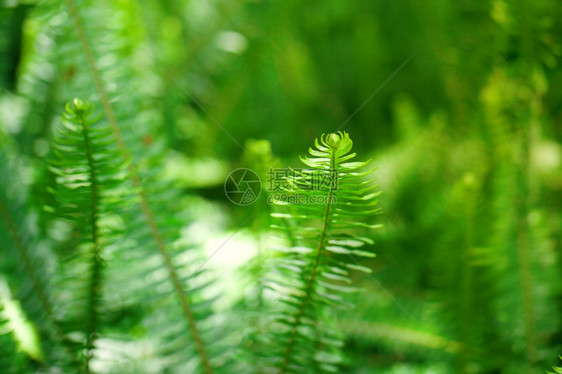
(311, 278)
(87, 177)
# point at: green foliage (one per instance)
(18, 337)
(151, 269)
(557, 370)
(88, 173)
(332, 198)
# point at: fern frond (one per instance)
(310, 278)
(88, 178)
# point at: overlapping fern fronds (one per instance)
(327, 203)
(153, 215)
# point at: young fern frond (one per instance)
(332, 194)
(87, 176)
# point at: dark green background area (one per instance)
(465, 126)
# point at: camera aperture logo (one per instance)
(242, 186)
(285, 186)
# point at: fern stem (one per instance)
(314, 271)
(147, 212)
(95, 277)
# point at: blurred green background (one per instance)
(465, 126)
